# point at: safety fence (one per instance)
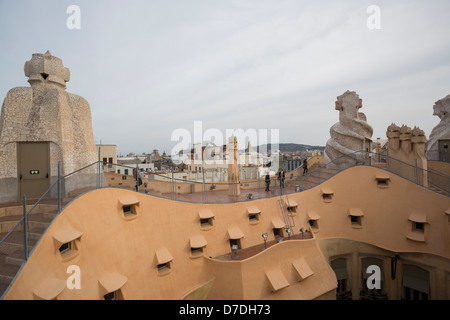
(23, 225)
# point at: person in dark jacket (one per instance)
(305, 167)
(267, 179)
(281, 177)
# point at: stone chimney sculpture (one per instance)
(43, 115)
(440, 132)
(350, 135)
(406, 150)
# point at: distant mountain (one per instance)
(291, 147)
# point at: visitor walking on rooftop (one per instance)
(281, 177)
(305, 166)
(267, 182)
(137, 178)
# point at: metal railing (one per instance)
(429, 178)
(18, 243)
(210, 188)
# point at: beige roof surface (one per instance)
(198, 241)
(205, 214)
(355, 212)
(112, 281)
(67, 234)
(235, 233)
(302, 268)
(163, 256)
(313, 215)
(418, 217)
(253, 210)
(277, 222)
(277, 279)
(50, 288)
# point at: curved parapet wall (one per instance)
(293, 269)
(350, 134)
(145, 247)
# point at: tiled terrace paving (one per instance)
(12, 249)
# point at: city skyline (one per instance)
(148, 68)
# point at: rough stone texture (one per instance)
(350, 134)
(46, 112)
(406, 149)
(45, 68)
(442, 131)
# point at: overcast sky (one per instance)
(150, 67)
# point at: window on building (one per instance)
(206, 222)
(164, 266)
(343, 290)
(342, 286)
(382, 180)
(313, 219)
(278, 233)
(418, 221)
(206, 217)
(66, 242)
(197, 243)
(418, 226)
(129, 210)
(196, 251)
(115, 295)
(415, 282)
(355, 220)
(235, 242)
(65, 248)
(327, 196)
(412, 294)
(314, 224)
(164, 262)
(292, 209)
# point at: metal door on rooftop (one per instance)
(33, 166)
(444, 152)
